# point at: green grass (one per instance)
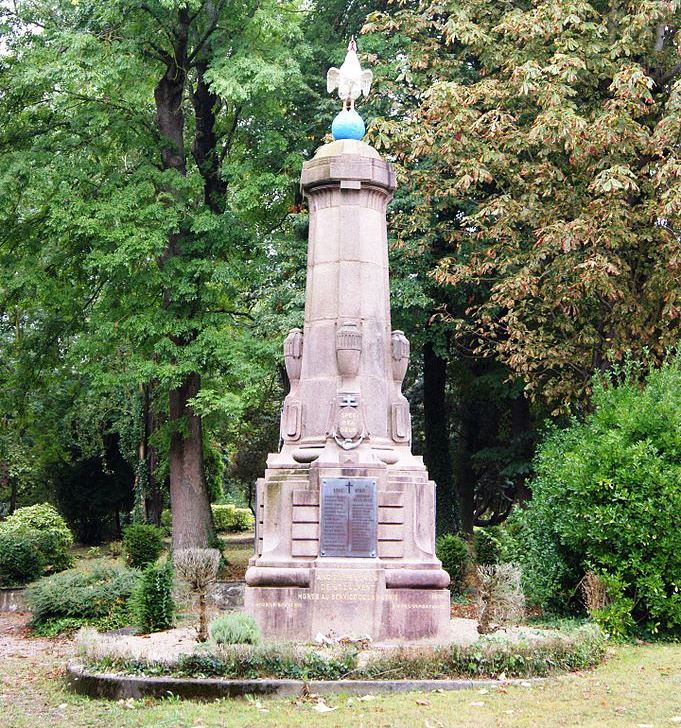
(638, 685)
(237, 549)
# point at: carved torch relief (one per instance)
(401, 418)
(291, 415)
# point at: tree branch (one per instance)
(212, 27)
(230, 134)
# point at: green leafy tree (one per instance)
(606, 499)
(473, 426)
(144, 161)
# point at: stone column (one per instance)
(347, 385)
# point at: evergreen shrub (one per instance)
(151, 605)
(606, 499)
(486, 546)
(228, 517)
(53, 538)
(235, 628)
(75, 598)
(453, 553)
(142, 544)
(20, 560)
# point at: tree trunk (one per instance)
(204, 148)
(203, 627)
(521, 425)
(465, 477)
(192, 519)
(437, 453)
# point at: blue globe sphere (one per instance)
(348, 125)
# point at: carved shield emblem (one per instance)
(348, 423)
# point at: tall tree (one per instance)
(477, 461)
(555, 126)
(138, 142)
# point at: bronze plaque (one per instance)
(348, 517)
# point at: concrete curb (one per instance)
(121, 687)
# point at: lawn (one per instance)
(237, 549)
(637, 686)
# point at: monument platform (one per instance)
(347, 564)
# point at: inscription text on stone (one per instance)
(348, 517)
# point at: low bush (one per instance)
(99, 597)
(20, 560)
(235, 628)
(142, 544)
(198, 568)
(489, 657)
(453, 553)
(492, 656)
(53, 538)
(228, 517)
(152, 607)
(500, 596)
(606, 499)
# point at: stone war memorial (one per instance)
(345, 525)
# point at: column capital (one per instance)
(348, 164)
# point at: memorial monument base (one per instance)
(396, 591)
(352, 601)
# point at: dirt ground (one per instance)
(16, 639)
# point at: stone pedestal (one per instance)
(361, 563)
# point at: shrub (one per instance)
(486, 546)
(500, 595)
(142, 544)
(53, 536)
(606, 498)
(199, 569)
(20, 560)
(228, 517)
(235, 628)
(99, 596)
(167, 521)
(453, 552)
(151, 605)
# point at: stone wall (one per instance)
(227, 595)
(12, 600)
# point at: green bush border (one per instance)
(489, 657)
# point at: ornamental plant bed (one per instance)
(537, 653)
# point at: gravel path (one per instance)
(16, 640)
